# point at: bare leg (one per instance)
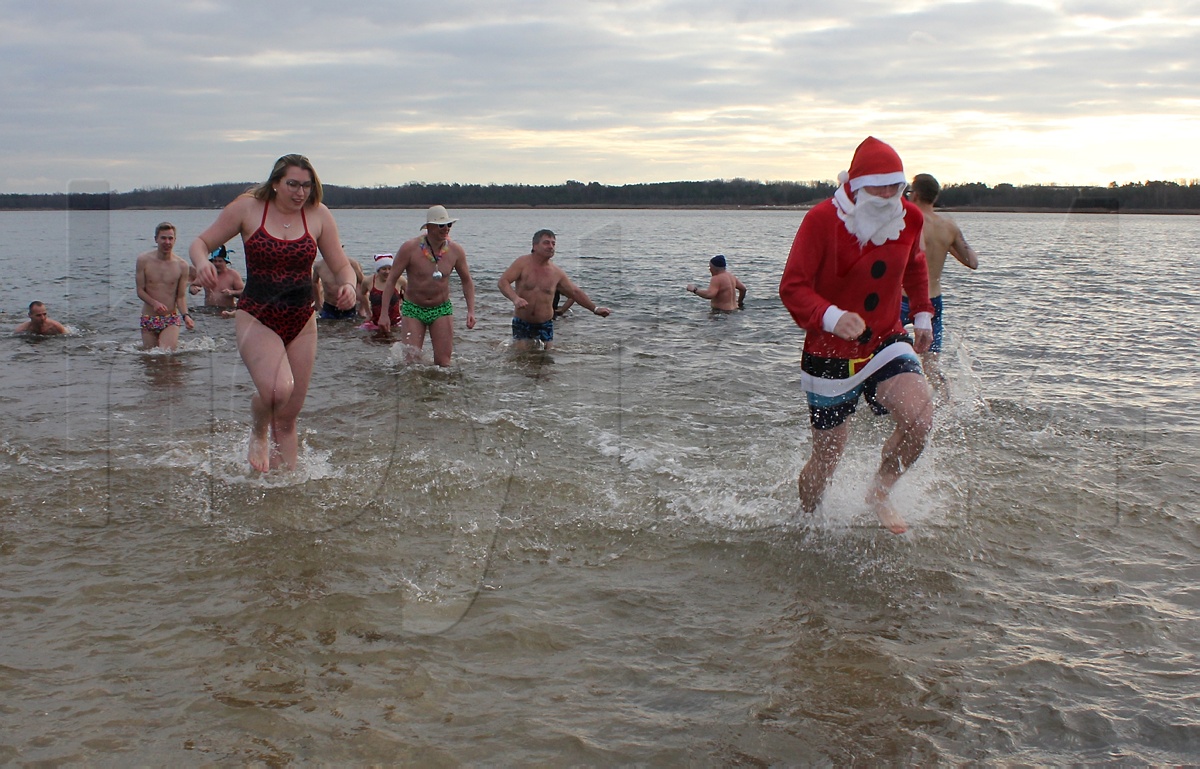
(280, 377)
(301, 355)
(169, 338)
(441, 336)
(149, 339)
(933, 372)
(828, 447)
(907, 399)
(412, 335)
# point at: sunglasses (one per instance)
(443, 226)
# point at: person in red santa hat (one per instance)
(842, 284)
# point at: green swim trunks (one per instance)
(426, 315)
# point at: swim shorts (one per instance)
(159, 323)
(543, 332)
(833, 385)
(331, 312)
(937, 320)
(426, 315)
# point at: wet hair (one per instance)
(541, 234)
(36, 303)
(163, 226)
(266, 190)
(926, 188)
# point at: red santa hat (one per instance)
(875, 164)
(382, 260)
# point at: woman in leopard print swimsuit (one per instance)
(276, 332)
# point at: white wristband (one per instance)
(831, 317)
(923, 321)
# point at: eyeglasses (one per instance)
(443, 226)
(292, 184)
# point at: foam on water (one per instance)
(596, 555)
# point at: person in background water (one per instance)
(40, 322)
(940, 236)
(842, 283)
(229, 282)
(561, 308)
(374, 294)
(722, 288)
(536, 280)
(322, 277)
(162, 282)
(426, 262)
(283, 224)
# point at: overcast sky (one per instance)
(146, 93)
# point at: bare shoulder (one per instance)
(321, 213)
(243, 204)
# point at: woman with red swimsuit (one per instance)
(283, 224)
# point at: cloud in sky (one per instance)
(384, 92)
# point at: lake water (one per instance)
(596, 557)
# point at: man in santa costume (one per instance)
(842, 284)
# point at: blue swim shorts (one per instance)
(543, 332)
(937, 320)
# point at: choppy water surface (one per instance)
(596, 556)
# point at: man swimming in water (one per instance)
(40, 322)
(427, 261)
(536, 281)
(722, 288)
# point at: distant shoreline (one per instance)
(613, 207)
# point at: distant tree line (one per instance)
(720, 193)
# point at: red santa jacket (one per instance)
(826, 266)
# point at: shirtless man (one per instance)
(722, 287)
(162, 285)
(323, 277)
(536, 282)
(40, 322)
(229, 282)
(940, 236)
(426, 261)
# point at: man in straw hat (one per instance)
(842, 284)
(426, 261)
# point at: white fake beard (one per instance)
(874, 219)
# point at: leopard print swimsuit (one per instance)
(278, 290)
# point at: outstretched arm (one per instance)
(567, 288)
(228, 224)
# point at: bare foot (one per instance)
(877, 500)
(260, 452)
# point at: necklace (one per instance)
(429, 253)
